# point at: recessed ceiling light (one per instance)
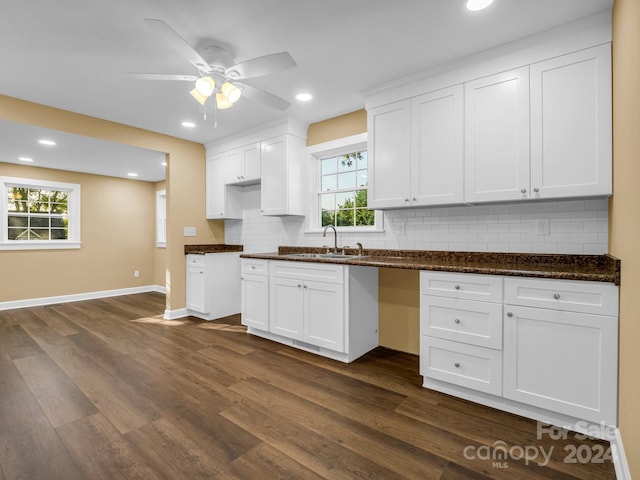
(46, 142)
(25, 159)
(131, 174)
(304, 97)
(475, 5)
(188, 124)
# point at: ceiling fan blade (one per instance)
(266, 98)
(178, 43)
(159, 76)
(260, 66)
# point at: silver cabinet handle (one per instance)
(536, 190)
(457, 365)
(299, 286)
(415, 199)
(253, 267)
(457, 320)
(406, 200)
(457, 287)
(304, 286)
(556, 296)
(509, 314)
(524, 190)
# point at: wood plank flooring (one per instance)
(106, 389)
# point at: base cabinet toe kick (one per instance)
(331, 310)
(541, 348)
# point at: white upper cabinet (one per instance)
(437, 147)
(571, 124)
(497, 137)
(282, 168)
(242, 165)
(223, 201)
(389, 152)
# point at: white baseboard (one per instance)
(77, 297)
(175, 314)
(619, 457)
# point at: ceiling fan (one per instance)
(218, 76)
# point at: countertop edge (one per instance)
(609, 273)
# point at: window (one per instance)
(161, 218)
(341, 186)
(39, 214)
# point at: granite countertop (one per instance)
(211, 248)
(599, 268)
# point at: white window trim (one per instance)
(73, 203)
(161, 219)
(335, 147)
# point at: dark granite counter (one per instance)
(212, 248)
(599, 268)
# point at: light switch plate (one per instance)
(189, 231)
(541, 226)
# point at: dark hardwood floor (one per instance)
(105, 389)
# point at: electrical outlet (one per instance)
(542, 226)
(189, 231)
(136, 273)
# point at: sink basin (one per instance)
(326, 256)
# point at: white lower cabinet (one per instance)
(254, 293)
(543, 348)
(562, 359)
(328, 309)
(213, 287)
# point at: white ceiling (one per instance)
(68, 53)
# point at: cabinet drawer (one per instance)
(308, 271)
(486, 288)
(468, 321)
(566, 295)
(465, 365)
(195, 260)
(254, 266)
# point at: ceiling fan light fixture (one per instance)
(206, 86)
(198, 96)
(231, 92)
(222, 102)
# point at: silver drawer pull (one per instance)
(457, 365)
(556, 296)
(299, 286)
(253, 267)
(509, 314)
(457, 320)
(457, 287)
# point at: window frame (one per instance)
(161, 219)
(319, 151)
(73, 206)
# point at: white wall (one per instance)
(576, 226)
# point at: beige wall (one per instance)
(115, 240)
(623, 214)
(185, 185)
(399, 299)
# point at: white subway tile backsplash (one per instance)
(576, 226)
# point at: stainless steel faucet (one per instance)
(335, 237)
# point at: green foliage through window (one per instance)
(37, 214)
(343, 191)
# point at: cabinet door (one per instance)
(255, 301)
(251, 162)
(233, 169)
(286, 307)
(497, 137)
(222, 201)
(437, 147)
(324, 320)
(389, 155)
(571, 124)
(565, 362)
(273, 190)
(196, 289)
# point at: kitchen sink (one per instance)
(325, 256)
